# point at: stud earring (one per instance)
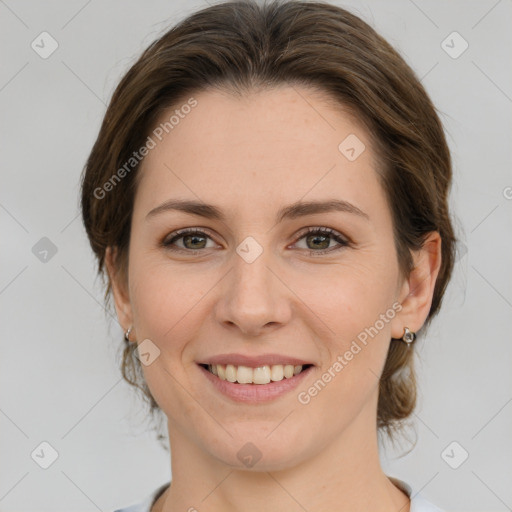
(408, 336)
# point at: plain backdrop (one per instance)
(60, 378)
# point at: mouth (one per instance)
(260, 375)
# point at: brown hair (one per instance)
(242, 46)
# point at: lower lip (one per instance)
(257, 393)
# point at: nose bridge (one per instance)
(253, 297)
(251, 271)
(251, 284)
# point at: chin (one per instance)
(260, 448)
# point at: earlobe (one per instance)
(119, 289)
(418, 289)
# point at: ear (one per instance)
(417, 290)
(119, 289)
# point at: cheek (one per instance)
(355, 305)
(166, 305)
(164, 298)
(349, 296)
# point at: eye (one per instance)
(321, 239)
(194, 241)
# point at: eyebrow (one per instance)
(292, 211)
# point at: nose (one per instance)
(253, 298)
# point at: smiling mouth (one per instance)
(266, 374)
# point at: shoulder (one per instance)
(418, 502)
(146, 504)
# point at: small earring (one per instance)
(408, 336)
(127, 334)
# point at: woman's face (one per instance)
(256, 289)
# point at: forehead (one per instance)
(271, 146)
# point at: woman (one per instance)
(268, 198)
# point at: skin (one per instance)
(251, 156)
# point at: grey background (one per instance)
(60, 381)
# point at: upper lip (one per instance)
(253, 361)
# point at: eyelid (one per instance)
(179, 233)
(341, 239)
(324, 229)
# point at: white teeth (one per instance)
(230, 373)
(221, 371)
(244, 375)
(260, 375)
(276, 372)
(288, 371)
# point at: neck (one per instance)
(345, 475)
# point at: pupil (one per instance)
(193, 237)
(323, 237)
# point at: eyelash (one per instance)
(167, 244)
